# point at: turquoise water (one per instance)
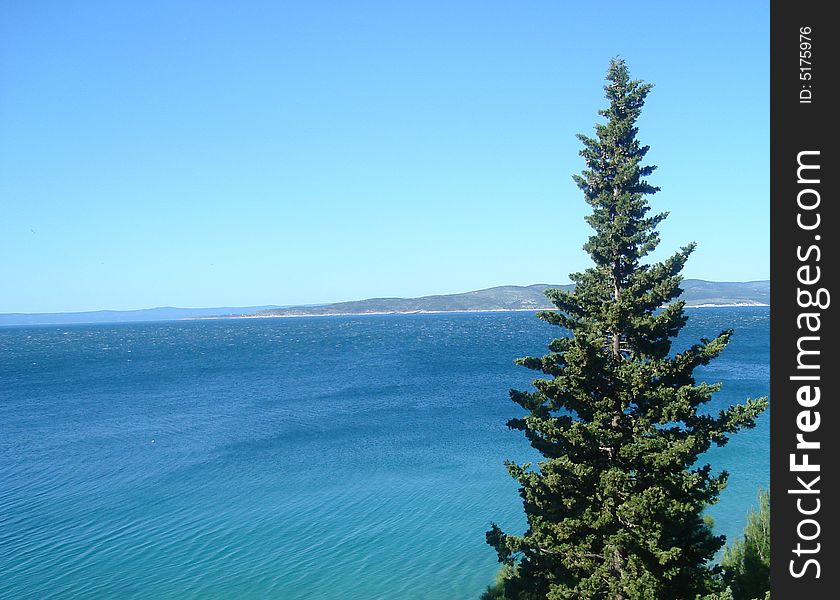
(346, 458)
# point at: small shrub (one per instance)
(746, 563)
(497, 590)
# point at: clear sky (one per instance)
(176, 153)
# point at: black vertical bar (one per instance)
(804, 231)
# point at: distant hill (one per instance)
(697, 292)
(506, 297)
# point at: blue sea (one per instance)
(346, 458)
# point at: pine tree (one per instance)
(615, 506)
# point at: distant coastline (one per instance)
(697, 293)
(434, 312)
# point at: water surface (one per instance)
(346, 458)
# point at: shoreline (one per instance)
(332, 314)
(434, 312)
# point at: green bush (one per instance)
(497, 590)
(746, 563)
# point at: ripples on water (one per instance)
(318, 458)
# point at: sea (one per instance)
(342, 458)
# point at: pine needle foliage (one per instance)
(614, 508)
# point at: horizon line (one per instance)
(314, 304)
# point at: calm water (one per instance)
(346, 458)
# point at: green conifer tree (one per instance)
(614, 509)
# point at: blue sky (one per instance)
(249, 153)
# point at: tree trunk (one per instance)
(616, 336)
(617, 568)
